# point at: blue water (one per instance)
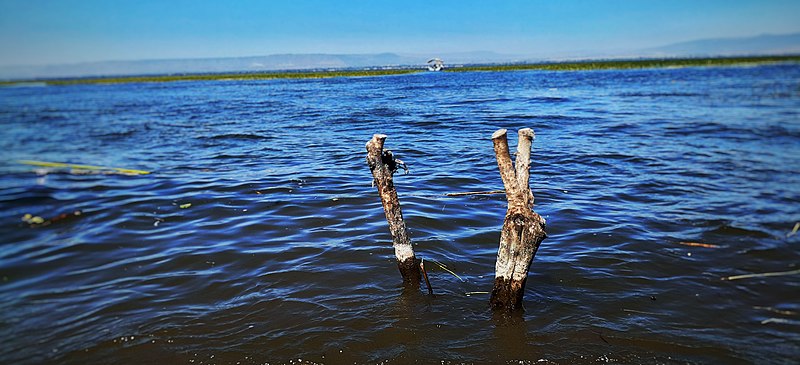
(285, 254)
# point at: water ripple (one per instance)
(259, 238)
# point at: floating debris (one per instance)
(476, 193)
(84, 169)
(794, 230)
(766, 274)
(698, 244)
(469, 293)
(780, 320)
(448, 270)
(30, 219)
(185, 206)
(635, 311)
(37, 221)
(775, 310)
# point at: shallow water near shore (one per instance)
(258, 237)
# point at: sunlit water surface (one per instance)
(284, 253)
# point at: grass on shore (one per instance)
(216, 77)
(629, 64)
(546, 66)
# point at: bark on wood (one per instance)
(383, 166)
(523, 229)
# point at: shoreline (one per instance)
(584, 65)
(591, 65)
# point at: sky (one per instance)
(41, 32)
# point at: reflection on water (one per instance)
(284, 254)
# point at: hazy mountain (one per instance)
(762, 44)
(200, 65)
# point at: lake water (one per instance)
(284, 255)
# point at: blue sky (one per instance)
(36, 32)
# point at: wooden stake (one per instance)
(523, 229)
(383, 166)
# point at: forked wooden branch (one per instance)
(523, 229)
(383, 165)
(523, 162)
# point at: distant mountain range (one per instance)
(766, 44)
(763, 44)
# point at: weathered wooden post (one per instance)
(523, 229)
(383, 166)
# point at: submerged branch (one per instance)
(698, 244)
(425, 275)
(762, 275)
(476, 193)
(775, 310)
(448, 270)
(794, 230)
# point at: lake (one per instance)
(258, 237)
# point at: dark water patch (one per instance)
(48, 118)
(238, 136)
(727, 229)
(548, 100)
(115, 134)
(427, 122)
(226, 156)
(481, 101)
(661, 94)
(385, 112)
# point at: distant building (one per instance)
(435, 64)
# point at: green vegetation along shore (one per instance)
(630, 64)
(547, 66)
(216, 77)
